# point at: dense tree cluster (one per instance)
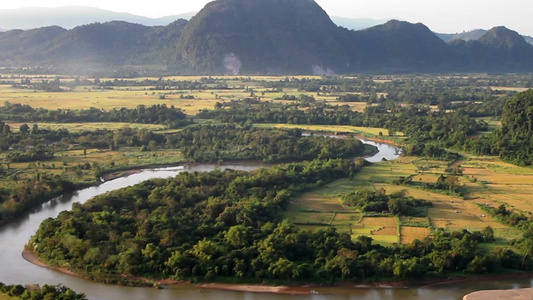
(229, 142)
(157, 226)
(45, 292)
(155, 114)
(514, 141)
(397, 203)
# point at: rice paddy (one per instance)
(487, 181)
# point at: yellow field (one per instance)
(500, 183)
(410, 234)
(6, 297)
(330, 128)
(503, 183)
(105, 99)
(383, 230)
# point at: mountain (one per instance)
(261, 37)
(498, 50)
(72, 16)
(475, 34)
(89, 47)
(398, 46)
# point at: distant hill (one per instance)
(475, 34)
(399, 46)
(262, 37)
(498, 50)
(71, 16)
(90, 47)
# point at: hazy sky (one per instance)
(445, 16)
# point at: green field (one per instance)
(314, 210)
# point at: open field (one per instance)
(331, 128)
(383, 230)
(106, 99)
(410, 234)
(313, 211)
(501, 183)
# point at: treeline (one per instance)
(230, 142)
(155, 114)
(228, 224)
(397, 203)
(45, 292)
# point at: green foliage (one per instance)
(155, 114)
(41, 293)
(379, 202)
(229, 142)
(514, 141)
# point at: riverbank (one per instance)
(523, 294)
(252, 288)
(303, 289)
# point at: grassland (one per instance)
(332, 128)
(84, 97)
(6, 297)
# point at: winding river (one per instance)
(15, 270)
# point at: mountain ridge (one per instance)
(72, 16)
(263, 37)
